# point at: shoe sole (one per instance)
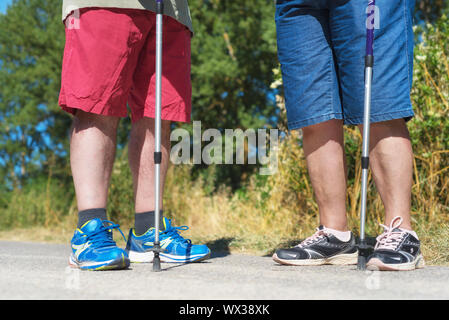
(147, 257)
(340, 259)
(376, 264)
(116, 264)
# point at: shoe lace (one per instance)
(173, 232)
(317, 236)
(392, 235)
(102, 237)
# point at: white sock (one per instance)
(341, 235)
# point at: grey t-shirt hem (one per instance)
(177, 9)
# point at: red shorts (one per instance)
(109, 63)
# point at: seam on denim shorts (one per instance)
(406, 45)
(331, 81)
(404, 113)
(315, 120)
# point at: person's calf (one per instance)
(92, 153)
(391, 162)
(324, 152)
(141, 161)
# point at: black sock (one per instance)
(86, 215)
(145, 220)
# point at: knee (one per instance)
(328, 128)
(84, 120)
(388, 129)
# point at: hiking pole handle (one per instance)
(159, 6)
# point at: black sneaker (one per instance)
(396, 250)
(321, 248)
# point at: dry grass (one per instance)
(282, 210)
(272, 212)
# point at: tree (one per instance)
(431, 10)
(32, 127)
(233, 55)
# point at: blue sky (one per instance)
(3, 5)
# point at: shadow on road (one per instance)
(220, 247)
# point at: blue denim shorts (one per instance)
(321, 49)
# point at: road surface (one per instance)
(40, 271)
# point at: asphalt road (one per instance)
(40, 271)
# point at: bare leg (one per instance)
(391, 162)
(92, 153)
(141, 160)
(324, 150)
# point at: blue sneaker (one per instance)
(176, 249)
(94, 249)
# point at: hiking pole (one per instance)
(157, 135)
(364, 250)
